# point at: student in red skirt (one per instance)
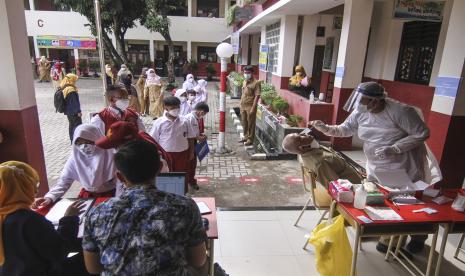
(175, 135)
(195, 119)
(91, 166)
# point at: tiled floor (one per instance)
(265, 243)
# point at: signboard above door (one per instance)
(426, 10)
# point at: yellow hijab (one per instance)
(70, 82)
(18, 183)
(295, 80)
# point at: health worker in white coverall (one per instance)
(393, 136)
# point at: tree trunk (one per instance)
(108, 44)
(170, 62)
(120, 43)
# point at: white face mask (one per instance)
(362, 108)
(299, 74)
(174, 112)
(247, 76)
(122, 104)
(315, 144)
(87, 149)
(190, 80)
(182, 99)
(191, 98)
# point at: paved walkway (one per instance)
(235, 180)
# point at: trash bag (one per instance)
(332, 248)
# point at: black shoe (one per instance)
(219, 271)
(242, 141)
(382, 248)
(415, 247)
(194, 186)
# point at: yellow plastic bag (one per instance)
(332, 248)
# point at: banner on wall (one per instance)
(66, 42)
(235, 42)
(426, 10)
(263, 57)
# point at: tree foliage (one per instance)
(117, 16)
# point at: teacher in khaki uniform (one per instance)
(249, 101)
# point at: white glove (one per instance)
(320, 125)
(382, 152)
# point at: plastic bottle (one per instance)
(312, 97)
(321, 97)
(360, 198)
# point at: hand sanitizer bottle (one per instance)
(360, 198)
(312, 97)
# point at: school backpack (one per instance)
(59, 100)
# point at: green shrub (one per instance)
(238, 78)
(279, 105)
(294, 120)
(268, 93)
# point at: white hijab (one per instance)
(92, 170)
(201, 90)
(152, 78)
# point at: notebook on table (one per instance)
(172, 182)
(58, 210)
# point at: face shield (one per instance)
(370, 90)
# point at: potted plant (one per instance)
(211, 71)
(279, 105)
(94, 66)
(82, 66)
(294, 120)
(268, 94)
(194, 66)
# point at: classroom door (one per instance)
(317, 67)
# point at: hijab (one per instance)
(68, 84)
(43, 59)
(93, 169)
(123, 68)
(152, 78)
(201, 90)
(296, 79)
(18, 183)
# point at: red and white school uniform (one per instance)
(105, 118)
(194, 122)
(172, 136)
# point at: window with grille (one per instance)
(272, 39)
(417, 51)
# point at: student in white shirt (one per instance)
(89, 165)
(175, 135)
(117, 110)
(201, 89)
(191, 99)
(195, 121)
(184, 107)
(189, 83)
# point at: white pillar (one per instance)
(76, 54)
(244, 49)
(18, 110)
(448, 99)
(31, 5)
(151, 51)
(189, 8)
(287, 40)
(189, 50)
(352, 46)
(255, 49)
(36, 48)
(307, 48)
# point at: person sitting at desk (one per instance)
(324, 162)
(91, 166)
(29, 244)
(145, 231)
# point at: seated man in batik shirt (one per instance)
(145, 231)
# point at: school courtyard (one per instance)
(234, 180)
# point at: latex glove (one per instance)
(319, 125)
(382, 152)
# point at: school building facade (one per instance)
(196, 29)
(414, 48)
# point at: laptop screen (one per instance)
(172, 182)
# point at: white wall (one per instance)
(307, 47)
(255, 49)
(244, 50)
(287, 40)
(182, 28)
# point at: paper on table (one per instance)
(397, 181)
(203, 208)
(58, 210)
(382, 213)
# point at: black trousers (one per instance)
(74, 120)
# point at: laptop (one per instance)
(172, 182)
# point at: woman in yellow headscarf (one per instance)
(29, 244)
(300, 82)
(72, 104)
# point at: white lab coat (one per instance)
(398, 125)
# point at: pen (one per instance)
(395, 204)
